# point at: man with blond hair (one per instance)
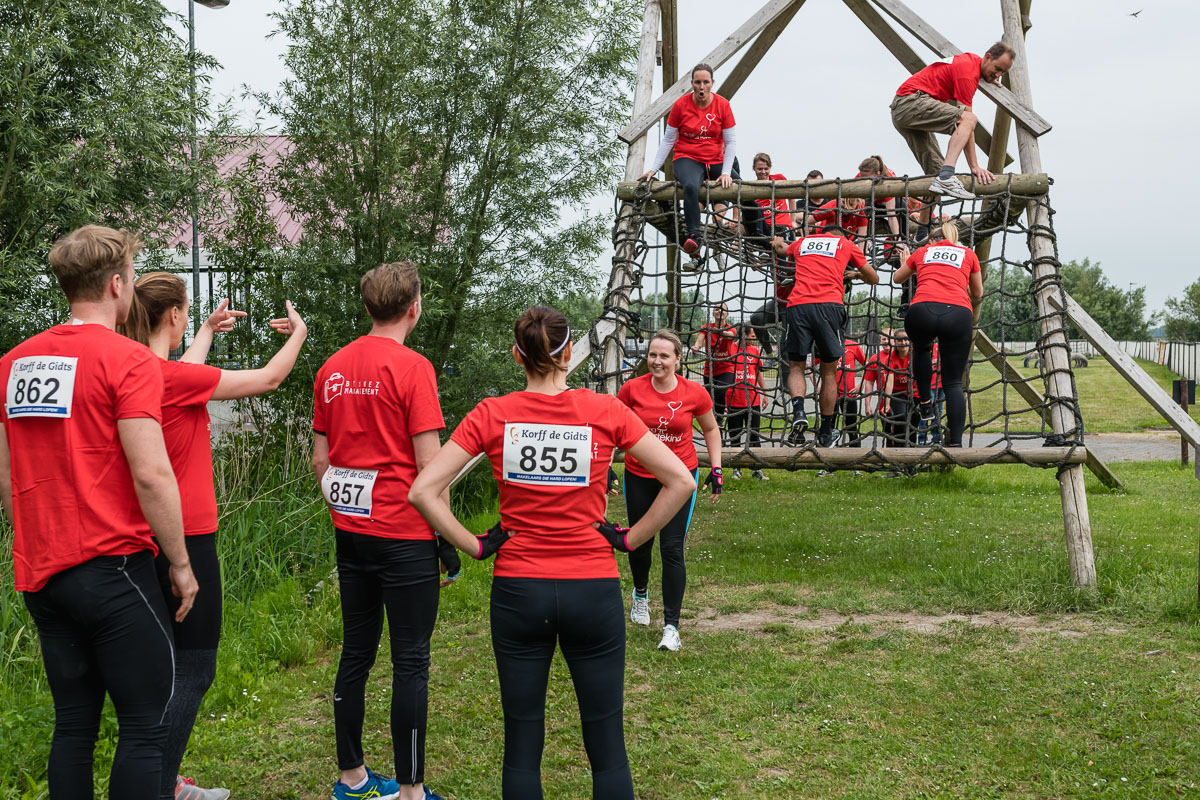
(87, 483)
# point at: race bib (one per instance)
(41, 386)
(348, 490)
(547, 455)
(950, 256)
(819, 246)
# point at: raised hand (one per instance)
(221, 320)
(290, 324)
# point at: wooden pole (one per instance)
(866, 188)
(851, 457)
(623, 278)
(670, 74)
(1057, 355)
(754, 54)
(1183, 397)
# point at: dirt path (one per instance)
(1072, 626)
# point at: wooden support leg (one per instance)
(1076, 523)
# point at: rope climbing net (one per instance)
(1007, 384)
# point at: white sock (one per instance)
(362, 784)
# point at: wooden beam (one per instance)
(908, 57)
(1020, 109)
(1123, 363)
(635, 159)
(1030, 395)
(644, 120)
(867, 188)
(858, 458)
(754, 54)
(1077, 525)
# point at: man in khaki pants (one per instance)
(938, 100)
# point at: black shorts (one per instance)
(821, 324)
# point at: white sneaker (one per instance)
(641, 610)
(737, 474)
(670, 639)
(951, 186)
(758, 473)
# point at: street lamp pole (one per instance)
(196, 189)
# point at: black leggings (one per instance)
(764, 319)
(399, 576)
(847, 412)
(691, 174)
(718, 386)
(103, 629)
(950, 325)
(586, 618)
(196, 640)
(640, 493)
(739, 420)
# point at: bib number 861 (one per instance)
(551, 460)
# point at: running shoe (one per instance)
(429, 795)
(737, 474)
(951, 186)
(690, 245)
(670, 639)
(799, 428)
(926, 412)
(186, 789)
(641, 609)
(828, 438)
(758, 473)
(376, 788)
(824, 473)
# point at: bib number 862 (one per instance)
(550, 459)
(31, 390)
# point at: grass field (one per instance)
(1109, 404)
(818, 657)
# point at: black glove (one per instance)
(448, 555)
(615, 535)
(491, 541)
(716, 480)
(614, 481)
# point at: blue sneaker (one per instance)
(431, 796)
(376, 788)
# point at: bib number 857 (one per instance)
(345, 493)
(348, 490)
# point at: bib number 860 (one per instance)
(549, 458)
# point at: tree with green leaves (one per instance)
(465, 135)
(1181, 317)
(1121, 312)
(95, 116)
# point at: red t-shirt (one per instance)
(848, 366)
(370, 399)
(700, 129)
(893, 365)
(821, 268)
(187, 432)
(552, 476)
(668, 415)
(719, 359)
(943, 273)
(783, 217)
(73, 498)
(957, 80)
(828, 214)
(744, 392)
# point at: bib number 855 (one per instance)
(540, 454)
(550, 459)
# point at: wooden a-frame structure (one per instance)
(1014, 102)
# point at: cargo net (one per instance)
(1009, 402)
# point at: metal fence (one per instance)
(1182, 358)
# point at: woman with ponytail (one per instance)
(158, 319)
(949, 280)
(555, 581)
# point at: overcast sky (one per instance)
(1119, 90)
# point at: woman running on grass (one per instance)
(556, 581)
(158, 318)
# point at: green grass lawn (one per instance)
(1108, 402)
(1069, 696)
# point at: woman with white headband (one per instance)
(555, 581)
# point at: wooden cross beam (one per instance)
(1024, 115)
(721, 53)
(737, 76)
(912, 62)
